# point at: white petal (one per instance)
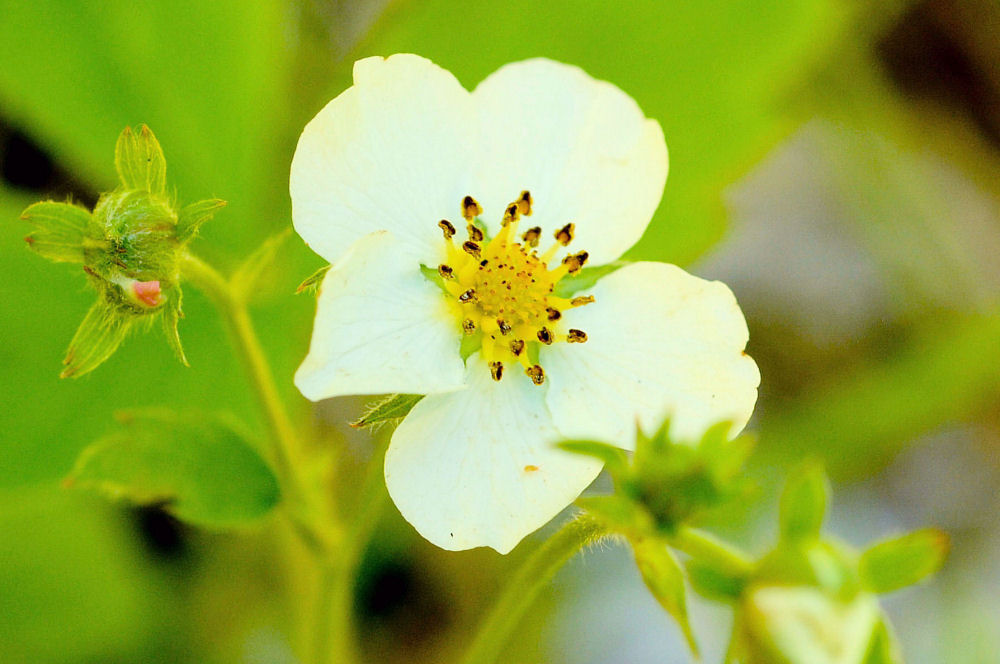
(390, 153)
(660, 343)
(582, 147)
(380, 327)
(478, 467)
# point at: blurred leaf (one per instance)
(883, 648)
(246, 278)
(199, 467)
(803, 502)
(390, 409)
(712, 582)
(664, 577)
(140, 162)
(903, 561)
(680, 65)
(585, 278)
(59, 232)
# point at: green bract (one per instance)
(130, 248)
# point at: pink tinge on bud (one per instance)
(148, 292)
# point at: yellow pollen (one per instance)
(503, 290)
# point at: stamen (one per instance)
(531, 236)
(475, 234)
(576, 336)
(496, 370)
(574, 262)
(536, 374)
(554, 314)
(470, 208)
(581, 300)
(545, 336)
(516, 347)
(467, 296)
(524, 203)
(468, 326)
(472, 248)
(504, 326)
(449, 230)
(511, 214)
(565, 234)
(446, 272)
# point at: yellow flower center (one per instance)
(503, 289)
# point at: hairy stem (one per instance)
(523, 588)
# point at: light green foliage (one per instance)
(201, 468)
(248, 277)
(803, 502)
(312, 282)
(903, 561)
(714, 582)
(192, 216)
(664, 577)
(388, 410)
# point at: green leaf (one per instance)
(100, 334)
(664, 577)
(312, 282)
(618, 513)
(803, 502)
(902, 561)
(140, 162)
(192, 216)
(60, 230)
(200, 467)
(710, 581)
(614, 458)
(246, 278)
(389, 409)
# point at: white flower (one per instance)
(391, 176)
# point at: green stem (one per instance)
(708, 548)
(523, 588)
(334, 620)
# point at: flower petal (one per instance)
(380, 327)
(390, 153)
(478, 467)
(582, 147)
(660, 343)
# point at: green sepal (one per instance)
(618, 514)
(246, 279)
(714, 583)
(100, 334)
(391, 408)
(312, 282)
(140, 162)
(664, 577)
(883, 648)
(201, 468)
(61, 230)
(823, 564)
(192, 216)
(804, 502)
(903, 561)
(172, 313)
(585, 278)
(614, 458)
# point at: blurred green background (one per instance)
(836, 162)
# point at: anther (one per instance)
(576, 336)
(470, 208)
(536, 374)
(565, 234)
(475, 234)
(582, 300)
(446, 272)
(575, 261)
(467, 296)
(504, 326)
(516, 347)
(511, 214)
(449, 230)
(531, 236)
(471, 248)
(554, 314)
(468, 326)
(524, 203)
(545, 336)
(496, 370)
